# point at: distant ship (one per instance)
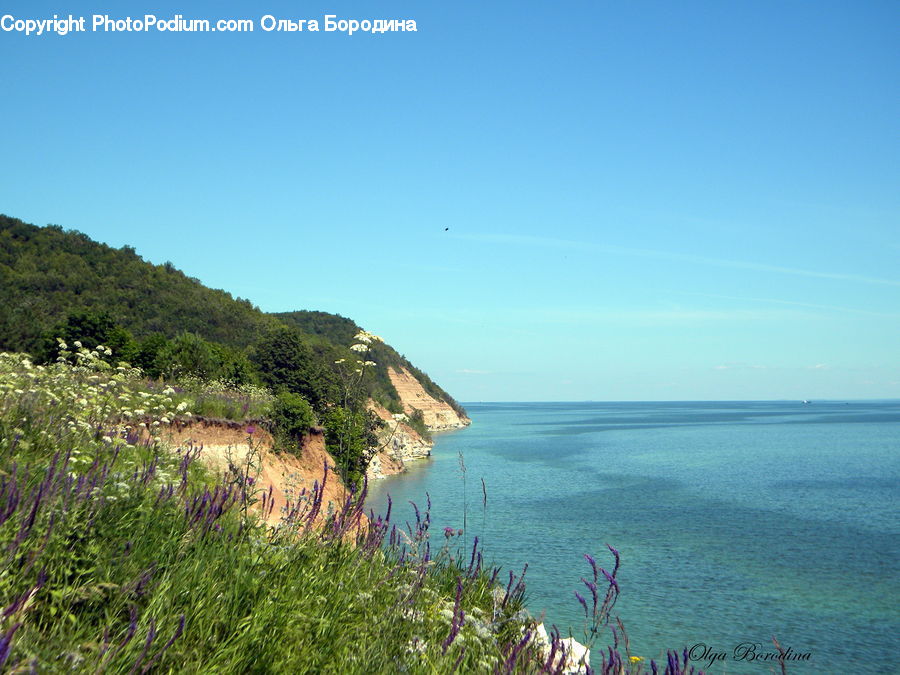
(805, 402)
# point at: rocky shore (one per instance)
(400, 442)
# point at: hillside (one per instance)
(141, 538)
(339, 330)
(48, 275)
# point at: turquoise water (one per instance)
(735, 521)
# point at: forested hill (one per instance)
(47, 273)
(55, 282)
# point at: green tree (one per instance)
(286, 361)
(149, 353)
(351, 437)
(91, 329)
(351, 429)
(188, 354)
(292, 417)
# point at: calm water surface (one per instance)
(735, 521)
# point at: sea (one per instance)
(736, 522)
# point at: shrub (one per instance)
(188, 354)
(148, 357)
(286, 361)
(417, 422)
(292, 416)
(91, 329)
(215, 398)
(352, 440)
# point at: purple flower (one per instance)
(449, 532)
(251, 429)
(582, 601)
(6, 643)
(459, 618)
(609, 578)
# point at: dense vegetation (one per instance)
(47, 273)
(120, 555)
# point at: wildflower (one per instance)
(367, 337)
(635, 659)
(583, 602)
(449, 532)
(251, 429)
(340, 360)
(369, 363)
(359, 347)
(77, 344)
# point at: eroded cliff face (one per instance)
(439, 416)
(401, 444)
(286, 474)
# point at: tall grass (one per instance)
(223, 400)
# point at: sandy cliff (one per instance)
(285, 473)
(401, 443)
(439, 416)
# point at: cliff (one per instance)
(400, 442)
(439, 415)
(286, 475)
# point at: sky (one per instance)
(532, 201)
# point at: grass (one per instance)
(123, 555)
(222, 400)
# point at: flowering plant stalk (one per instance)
(351, 427)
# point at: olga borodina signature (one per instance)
(744, 651)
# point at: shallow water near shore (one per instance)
(736, 521)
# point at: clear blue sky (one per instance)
(654, 200)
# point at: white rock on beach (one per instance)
(578, 657)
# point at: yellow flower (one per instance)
(635, 659)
